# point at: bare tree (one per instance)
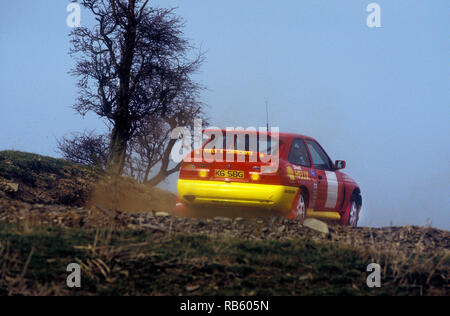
(146, 148)
(151, 143)
(131, 66)
(85, 148)
(183, 113)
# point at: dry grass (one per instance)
(137, 262)
(412, 270)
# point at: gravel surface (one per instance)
(405, 238)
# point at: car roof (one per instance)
(281, 134)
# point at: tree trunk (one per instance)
(122, 124)
(117, 149)
(147, 173)
(158, 178)
(163, 174)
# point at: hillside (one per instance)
(37, 179)
(53, 213)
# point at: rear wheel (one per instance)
(300, 207)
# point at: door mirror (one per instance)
(339, 164)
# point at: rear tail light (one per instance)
(203, 173)
(254, 176)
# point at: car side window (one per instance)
(298, 154)
(319, 157)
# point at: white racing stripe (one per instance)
(332, 191)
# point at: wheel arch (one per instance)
(356, 194)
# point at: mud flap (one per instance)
(180, 208)
(293, 213)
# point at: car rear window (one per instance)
(267, 145)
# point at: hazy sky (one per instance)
(377, 97)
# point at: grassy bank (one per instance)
(137, 262)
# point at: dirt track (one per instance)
(406, 239)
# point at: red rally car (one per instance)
(303, 181)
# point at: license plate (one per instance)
(235, 174)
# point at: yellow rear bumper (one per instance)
(268, 196)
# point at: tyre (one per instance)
(300, 207)
(353, 213)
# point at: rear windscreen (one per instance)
(247, 142)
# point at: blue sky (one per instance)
(377, 97)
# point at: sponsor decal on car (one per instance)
(298, 173)
(290, 173)
(302, 175)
